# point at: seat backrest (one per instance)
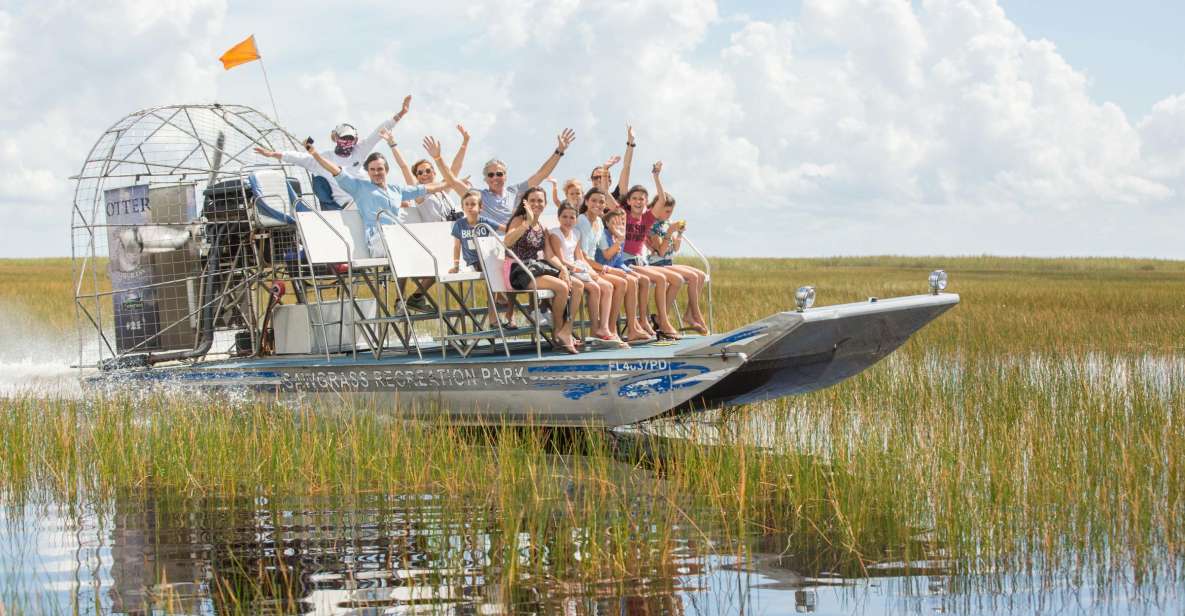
(492, 253)
(324, 232)
(408, 256)
(273, 198)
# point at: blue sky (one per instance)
(1133, 51)
(851, 126)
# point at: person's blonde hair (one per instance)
(568, 183)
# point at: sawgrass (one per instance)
(1037, 430)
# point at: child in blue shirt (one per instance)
(472, 225)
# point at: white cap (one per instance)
(344, 130)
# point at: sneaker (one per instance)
(416, 302)
(543, 318)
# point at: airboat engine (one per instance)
(159, 278)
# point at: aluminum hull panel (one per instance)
(602, 388)
(821, 347)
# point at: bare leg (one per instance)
(594, 303)
(641, 310)
(661, 297)
(674, 283)
(577, 300)
(695, 286)
(620, 293)
(607, 292)
(561, 327)
(600, 296)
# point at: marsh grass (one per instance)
(1036, 431)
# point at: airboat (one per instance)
(200, 265)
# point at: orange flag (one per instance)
(240, 54)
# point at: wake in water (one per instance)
(34, 361)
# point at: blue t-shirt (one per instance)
(465, 232)
(371, 198)
(498, 209)
(618, 259)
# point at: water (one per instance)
(153, 550)
(426, 553)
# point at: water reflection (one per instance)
(153, 551)
(328, 556)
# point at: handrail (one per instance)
(399, 288)
(492, 308)
(349, 272)
(708, 271)
(534, 288)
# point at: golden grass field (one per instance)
(1038, 428)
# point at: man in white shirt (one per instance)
(347, 153)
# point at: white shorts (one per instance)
(374, 242)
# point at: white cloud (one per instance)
(859, 126)
(70, 70)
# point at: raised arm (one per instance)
(623, 181)
(555, 191)
(459, 158)
(327, 165)
(407, 174)
(563, 140)
(450, 180)
(660, 197)
(268, 153)
(366, 145)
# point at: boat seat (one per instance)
(423, 250)
(336, 236)
(493, 256)
(274, 198)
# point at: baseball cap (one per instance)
(344, 130)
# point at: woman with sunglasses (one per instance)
(435, 207)
(348, 153)
(498, 199)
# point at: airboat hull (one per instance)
(787, 353)
(819, 347)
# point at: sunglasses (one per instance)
(601, 177)
(424, 170)
(495, 174)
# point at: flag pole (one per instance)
(268, 85)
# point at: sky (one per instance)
(811, 128)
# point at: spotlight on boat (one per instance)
(937, 281)
(804, 297)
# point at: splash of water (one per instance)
(34, 361)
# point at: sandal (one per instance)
(621, 344)
(667, 336)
